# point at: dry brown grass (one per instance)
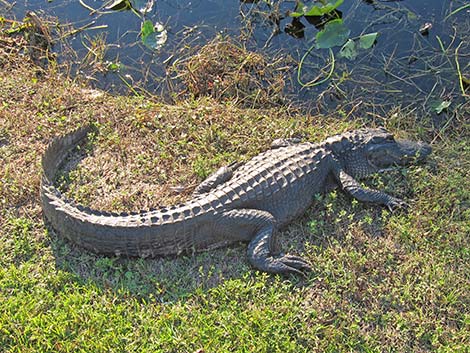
(226, 71)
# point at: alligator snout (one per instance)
(425, 149)
(413, 151)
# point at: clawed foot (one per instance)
(284, 264)
(394, 204)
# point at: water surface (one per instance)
(403, 68)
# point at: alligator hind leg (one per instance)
(262, 257)
(218, 177)
(259, 227)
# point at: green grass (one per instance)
(380, 282)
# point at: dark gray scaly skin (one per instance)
(248, 202)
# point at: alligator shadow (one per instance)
(173, 278)
(167, 278)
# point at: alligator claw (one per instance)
(395, 203)
(285, 264)
(296, 262)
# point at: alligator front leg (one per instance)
(220, 176)
(260, 227)
(353, 188)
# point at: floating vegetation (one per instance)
(334, 34)
(400, 59)
(318, 9)
(350, 49)
(440, 105)
(153, 36)
(359, 54)
(141, 6)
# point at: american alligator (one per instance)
(238, 203)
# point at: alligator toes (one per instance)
(262, 255)
(283, 267)
(395, 203)
(295, 262)
(284, 264)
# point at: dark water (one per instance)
(404, 67)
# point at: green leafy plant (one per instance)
(153, 36)
(334, 34)
(440, 105)
(367, 40)
(325, 7)
(141, 6)
(350, 49)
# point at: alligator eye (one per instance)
(381, 139)
(377, 139)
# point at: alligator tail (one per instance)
(147, 233)
(59, 149)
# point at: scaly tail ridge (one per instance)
(59, 149)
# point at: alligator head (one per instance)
(372, 150)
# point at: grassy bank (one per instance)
(381, 282)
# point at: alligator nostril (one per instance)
(426, 149)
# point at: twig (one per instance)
(91, 9)
(444, 51)
(88, 26)
(274, 33)
(314, 82)
(457, 10)
(7, 5)
(457, 65)
(354, 107)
